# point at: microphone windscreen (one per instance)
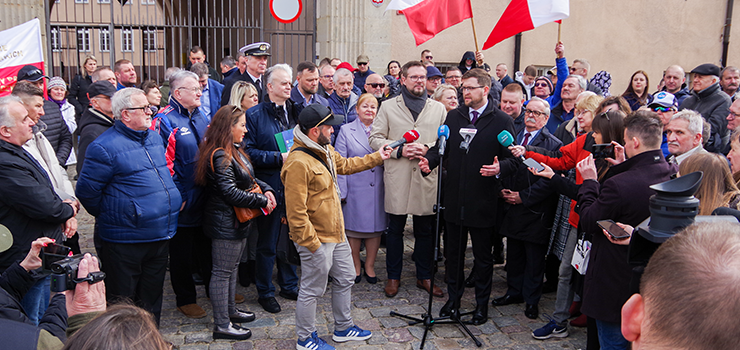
(443, 130)
(411, 136)
(505, 138)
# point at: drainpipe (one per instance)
(518, 50)
(726, 34)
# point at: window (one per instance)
(149, 39)
(127, 40)
(82, 1)
(103, 1)
(83, 40)
(56, 39)
(104, 40)
(148, 2)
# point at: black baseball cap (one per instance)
(315, 115)
(31, 73)
(101, 87)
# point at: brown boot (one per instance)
(192, 311)
(427, 284)
(391, 287)
(238, 298)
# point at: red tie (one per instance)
(526, 139)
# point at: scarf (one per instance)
(414, 103)
(311, 144)
(60, 103)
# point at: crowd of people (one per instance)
(205, 172)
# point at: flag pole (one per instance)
(560, 24)
(472, 22)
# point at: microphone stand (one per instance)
(427, 319)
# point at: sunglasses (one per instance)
(377, 85)
(540, 84)
(361, 63)
(429, 57)
(662, 109)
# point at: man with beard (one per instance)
(305, 93)
(471, 189)
(407, 191)
(374, 85)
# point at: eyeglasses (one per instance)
(541, 85)
(536, 114)
(732, 116)
(662, 109)
(194, 90)
(572, 69)
(453, 77)
(471, 88)
(377, 85)
(327, 76)
(417, 77)
(143, 108)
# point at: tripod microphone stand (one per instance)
(427, 319)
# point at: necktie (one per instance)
(281, 115)
(475, 116)
(526, 139)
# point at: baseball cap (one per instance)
(256, 49)
(432, 71)
(6, 238)
(346, 65)
(706, 69)
(101, 87)
(31, 73)
(362, 59)
(664, 99)
(315, 115)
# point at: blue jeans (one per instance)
(610, 336)
(36, 300)
(268, 228)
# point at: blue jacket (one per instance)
(181, 133)
(215, 89)
(343, 107)
(299, 100)
(126, 185)
(261, 145)
(360, 78)
(562, 72)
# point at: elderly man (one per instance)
(529, 218)
(276, 115)
(406, 190)
(674, 79)
(126, 185)
(374, 85)
(363, 71)
(106, 74)
(729, 80)
(31, 206)
(252, 65)
(565, 110)
(512, 102)
(125, 74)
(96, 120)
(708, 99)
(210, 100)
(581, 67)
(665, 105)
(305, 93)
(502, 73)
(342, 101)
(317, 227)
(326, 78)
(684, 135)
(182, 126)
(196, 55)
(228, 66)
(732, 118)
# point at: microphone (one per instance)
(443, 133)
(467, 134)
(506, 139)
(408, 137)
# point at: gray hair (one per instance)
(6, 119)
(200, 69)
(544, 103)
(693, 118)
(280, 66)
(95, 76)
(581, 80)
(229, 61)
(440, 90)
(584, 63)
(178, 79)
(321, 69)
(170, 71)
(122, 100)
(341, 73)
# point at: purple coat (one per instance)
(364, 210)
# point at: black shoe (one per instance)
(371, 280)
(506, 300)
(198, 280)
(242, 316)
(532, 311)
(269, 304)
(231, 331)
(246, 273)
(289, 294)
(470, 281)
(358, 279)
(480, 316)
(447, 309)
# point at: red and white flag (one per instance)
(426, 18)
(19, 46)
(523, 15)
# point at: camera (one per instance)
(603, 151)
(64, 274)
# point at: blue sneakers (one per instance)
(552, 329)
(351, 333)
(313, 343)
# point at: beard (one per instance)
(323, 140)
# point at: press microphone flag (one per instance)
(506, 139)
(443, 133)
(408, 137)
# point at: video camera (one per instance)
(64, 268)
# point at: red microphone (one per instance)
(409, 136)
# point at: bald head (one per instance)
(673, 78)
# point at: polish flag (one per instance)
(426, 18)
(19, 46)
(523, 15)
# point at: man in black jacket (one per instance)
(471, 188)
(708, 99)
(95, 120)
(252, 65)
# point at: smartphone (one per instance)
(531, 163)
(52, 253)
(603, 150)
(616, 232)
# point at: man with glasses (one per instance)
(374, 85)
(406, 190)
(581, 67)
(210, 100)
(182, 127)
(427, 59)
(326, 79)
(363, 71)
(126, 185)
(732, 118)
(434, 78)
(454, 77)
(666, 105)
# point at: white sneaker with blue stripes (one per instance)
(351, 333)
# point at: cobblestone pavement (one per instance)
(507, 327)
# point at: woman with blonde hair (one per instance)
(81, 82)
(447, 95)
(244, 95)
(717, 188)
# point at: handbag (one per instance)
(581, 255)
(244, 214)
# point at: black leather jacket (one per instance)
(228, 186)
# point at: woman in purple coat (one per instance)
(362, 193)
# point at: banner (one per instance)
(19, 46)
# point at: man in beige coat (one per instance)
(406, 190)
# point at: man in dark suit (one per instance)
(623, 197)
(529, 217)
(471, 187)
(251, 66)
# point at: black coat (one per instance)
(57, 131)
(228, 186)
(237, 75)
(531, 221)
(714, 106)
(470, 198)
(92, 124)
(29, 206)
(78, 94)
(623, 197)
